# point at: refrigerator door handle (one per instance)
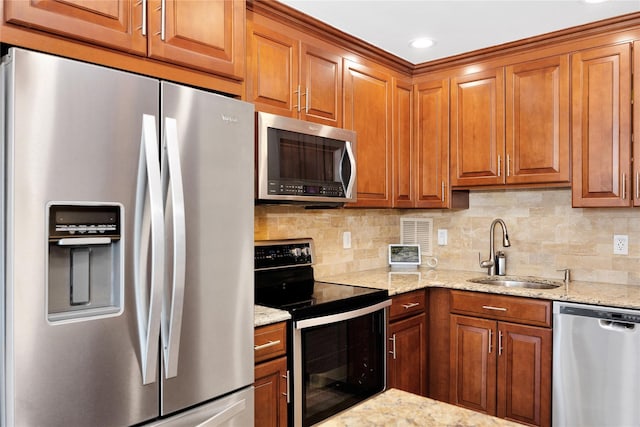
(224, 415)
(148, 236)
(174, 297)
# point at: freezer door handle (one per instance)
(148, 236)
(224, 415)
(173, 196)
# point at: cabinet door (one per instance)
(403, 145)
(601, 126)
(432, 144)
(537, 121)
(272, 78)
(321, 86)
(112, 23)
(204, 34)
(636, 125)
(477, 128)
(270, 391)
(524, 374)
(367, 104)
(473, 363)
(407, 358)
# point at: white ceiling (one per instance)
(457, 26)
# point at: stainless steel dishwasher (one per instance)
(596, 366)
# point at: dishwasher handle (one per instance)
(615, 325)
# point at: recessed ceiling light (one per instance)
(421, 43)
(594, 1)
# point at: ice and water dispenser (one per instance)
(85, 277)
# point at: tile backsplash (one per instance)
(546, 234)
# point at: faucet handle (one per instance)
(486, 263)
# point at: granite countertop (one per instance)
(265, 316)
(398, 282)
(399, 408)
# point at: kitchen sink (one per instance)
(517, 282)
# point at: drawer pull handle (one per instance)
(490, 307)
(267, 345)
(410, 305)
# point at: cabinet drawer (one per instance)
(407, 304)
(500, 307)
(270, 341)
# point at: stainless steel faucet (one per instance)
(490, 264)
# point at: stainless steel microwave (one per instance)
(299, 161)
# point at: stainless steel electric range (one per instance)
(337, 354)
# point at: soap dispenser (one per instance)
(501, 263)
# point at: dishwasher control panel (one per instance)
(606, 314)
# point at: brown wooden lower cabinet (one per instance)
(271, 393)
(271, 375)
(407, 347)
(407, 357)
(501, 368)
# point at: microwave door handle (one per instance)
(148, 228)
(172, 306)
(352, 177)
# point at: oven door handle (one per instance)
(333, 318)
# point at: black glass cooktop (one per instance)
(330, 298)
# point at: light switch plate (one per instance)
(442, 236)
(346, 240)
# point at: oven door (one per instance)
(338, 361)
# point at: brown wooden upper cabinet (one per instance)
(367, 109)
(510, 125)
(207, 35)
(537, 121)
(601, 127)
(293, 78)
(432, 144)
(477, 128)
(403, 145)
(421, 144)
(636, 125)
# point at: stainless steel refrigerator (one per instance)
(127, 248)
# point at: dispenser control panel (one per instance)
(84, 221)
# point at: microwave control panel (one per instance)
(296, 188)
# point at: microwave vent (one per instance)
(418, 231)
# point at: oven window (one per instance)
(342, 364)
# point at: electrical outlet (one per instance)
(346, 240)
(620, 244)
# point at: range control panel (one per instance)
(283, 253)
